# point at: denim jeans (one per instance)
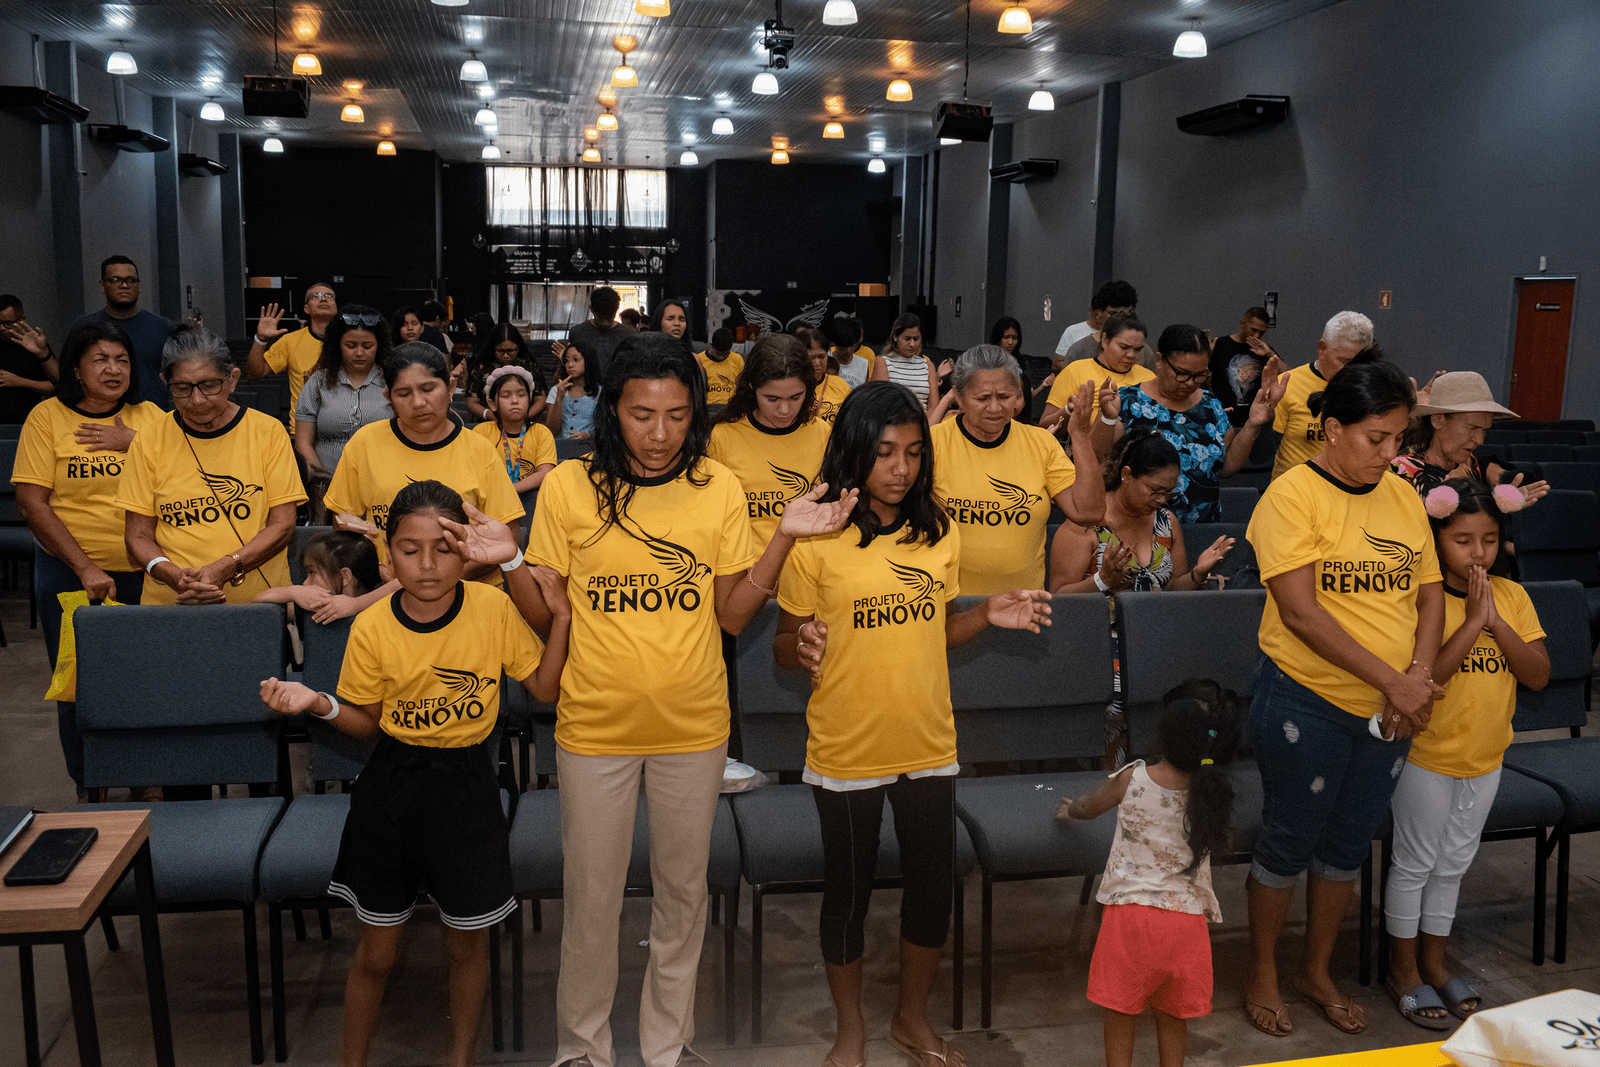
(1325, 781)
(52, 576)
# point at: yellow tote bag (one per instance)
(64, 683)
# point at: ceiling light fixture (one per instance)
(839, 13)
(1041, 100)
(1191, 43)
(121, 63)
(1015, 19)
(833, 131)
(386, 148)
(212, 111)
(591, 155)
(591, 135)
(766, 84)
(450, 3)
(899, 90)
(655, 9)
(949, 140)
(352, 113)
(272, 144)
(607, 120)
(689, 159)
(877, 143)
(780, 157)
(834, 105)
(307, 65)
(485, 91)
(875, 166)
(607, 96)
(723, 127)
(485, 117)
(473, 70)
(624, 77)
(780, 143)
(491, 151)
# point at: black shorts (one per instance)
(426, 819)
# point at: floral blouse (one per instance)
(1158, 572)
(1426, 477)
(1200, 435)
(1151, 850)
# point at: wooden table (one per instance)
(61, 914)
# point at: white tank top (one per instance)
(911, 373)
(1151, 850)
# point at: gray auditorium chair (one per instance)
(302, 536)
(16, 540)
(1556, 437)
(570, 448)
(1589, 453)
(170, 696)
(1238, 502)
(1558, 539)
(1497, 436)
(1024, 696)
(1239, 568)
(780, 836)
(1540, 453)
(1575, 475)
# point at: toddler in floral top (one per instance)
(1153, 949)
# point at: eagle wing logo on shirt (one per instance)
(465, 688)
(921, 582)
(1401, 556)
(679, 561)
(794, 483)
(1013, 497)
(228, 489)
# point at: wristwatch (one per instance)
(238, 570)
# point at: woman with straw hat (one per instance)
(1448, 429)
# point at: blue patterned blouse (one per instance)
(1199, 435)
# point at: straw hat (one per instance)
(1459, 391)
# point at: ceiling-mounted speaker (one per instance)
(1236, 116)
(270, 95)
(963, 122)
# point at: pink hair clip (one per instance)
(1509, 498)
(1441, 502)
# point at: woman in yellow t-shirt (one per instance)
(421, 677)
(768, 435)
(867, 612)
(997, 477)
(654, 541)
(1442, 800)
(210, 493)
(1351, 634)
(420, 443)
(1117, 365)
(70, 458)
(832, 388)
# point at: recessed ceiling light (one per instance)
(765, 84)
(352, 113)
(839, 13)
(899, 90)
(722, 127)
(780, 157)
(689, 159)
(875, 166)
(833, 131)
(1015, 19)
(473, 70)
(272, 144)
(121, 63)
(485, 117)
(1191, 43)
(307, 65)
(653, 8)
(386, 148)
(1041, 100)
(212, 112)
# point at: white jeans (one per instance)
(599, 795)
(1437, 823)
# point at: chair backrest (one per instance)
(1505, 437)
(8, 492)
(1556, 437)
(770, 701)
(1239, 502)
(171, 695)
(1257, 478)
(335, 755)
(569, 448)
(1572, 475)
(1563, 611)
(1239, 568)
(1589, 453)
(1168, 638)
(10, 431)
(302, 535)
(1540, 453)
(530, 500)
(1557, 538)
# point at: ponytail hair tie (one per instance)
(1509, 498)
(1442, 502)
(1206, 762)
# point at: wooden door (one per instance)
(1539, 358)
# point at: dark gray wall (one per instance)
(28, 267)
(961, 246)
(200, 227)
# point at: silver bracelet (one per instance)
(334, 714)
(749, 576)
(149, 568)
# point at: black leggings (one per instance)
(924, 825)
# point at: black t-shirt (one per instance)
(1235, 377)
(16, 401)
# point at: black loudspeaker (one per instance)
(963, 122)
(270, 95)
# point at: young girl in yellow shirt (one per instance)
(526, 445)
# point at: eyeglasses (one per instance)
(127, 283)
(184, 390)
(351, 319)
(1199, 377)
(318, 296)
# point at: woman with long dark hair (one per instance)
(900, 556)
(503, 347)
(344, 392)
(903, 363)
(654, 542)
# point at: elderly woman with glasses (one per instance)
(211, 491)
(1177, 404)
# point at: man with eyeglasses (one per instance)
(273, 348)
(119, 281)
(27, 366)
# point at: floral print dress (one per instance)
(1200, 435)
(1151, 851)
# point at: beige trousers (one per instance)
(599, 795)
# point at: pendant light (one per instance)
(607, 96)
(766, 84)
(485, 91)
(780, 143)
(1015, 19)
(723, 127)
(875, 166)
(899, 90)
(272, 144)
(607, 120)
(473, 70)
(1041, 100)
(450, 3)
(839, 13)
(386, 148)
(491, 151)
(877, 143)
(485, 117)
(121, 63)
(1191, 43)
(624, 77)
(780, 156)
(655, 9)
(591, 135)
(352, 113)
(591, 155)
(833, 131)
(689, 159)
(212, 112)
(307, 65)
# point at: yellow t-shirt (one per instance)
(721, 377)
(1000, 495)
(534, 449)
(773, 466)
(1471, 727)
(1073, 375)
(830, 394)
(82, 484)
(380, 461)
(438, 682)
(298, 351)
(1301, 430)
(883, 706)
(645, 674)
(1371, 550)
(248, 469)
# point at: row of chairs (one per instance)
(1520, 454)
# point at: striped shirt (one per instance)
(911, 373)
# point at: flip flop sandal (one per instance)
(942, 1053)
(1454, 993)
(1281, 1027)
(1412, 1003)
(1327, 1007)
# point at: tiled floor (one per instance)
(1043, 942)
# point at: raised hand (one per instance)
(554, 589)
(812, 644)
(481, 540)
(1053, 424)
(1533, 491)
(946, 367)
(562, 388)
(1110, 401)
(95, 437)
(267, 329)
(807, 516)
(1081, 422)
(1264, 405)
(1427, 390)
(1259, 346)
(1212, 556)
(1020, 609)
(288, 698)
(26, 335)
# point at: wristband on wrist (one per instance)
(1100, 584)
(512, 564)
(150, 568)
(334, 702)
(260, 342)
(1108, 422)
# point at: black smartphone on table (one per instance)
(52, 856)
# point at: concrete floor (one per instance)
(1043, 944)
